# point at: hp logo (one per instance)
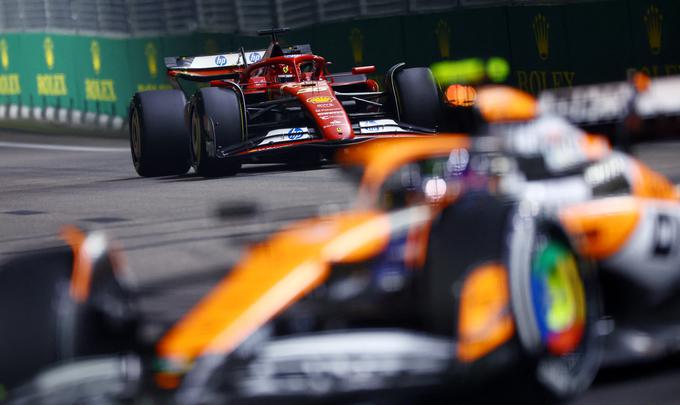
(220, 60)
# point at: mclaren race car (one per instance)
(274, 105)
(468, 262)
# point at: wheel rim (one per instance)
(135, 136)
(558, 298)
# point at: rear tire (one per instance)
(217, 122)
(417, 97)
(159, 139)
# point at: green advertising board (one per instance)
(655, 36)
(546, 45)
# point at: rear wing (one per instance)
(227, 60)
(653, 110)
(219, 61)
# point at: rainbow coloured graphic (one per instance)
(558, 298)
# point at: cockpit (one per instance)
(289, 69)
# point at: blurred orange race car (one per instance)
(467, 261)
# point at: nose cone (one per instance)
(328, 113)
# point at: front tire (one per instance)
(417, 97)
(159, 139)
(217, 122)
(557, 307)
(44, 323)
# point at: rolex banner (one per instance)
(91, 78)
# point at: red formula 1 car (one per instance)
(273, 105)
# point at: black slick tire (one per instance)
(417, 97)
(43, 324)
(217, 122)
(159, 139)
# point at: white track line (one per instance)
(67, 148)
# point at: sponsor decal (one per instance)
(319, 99)
(4, 54)
(220, 60)
(48, 47)
(326, 105)
(286, 135)
(96, 53)
(153, 86)
(372, 126)
(97, 89)
(151, 54)
(356, 40)
(654, 24)
(51, 84)
(541, 30)
(443, 33)
(535, 81)
(285, 69)
(379, 126)
(329, 114)
(321, 87)
(295, 134)
(665, 235)
(9, 84)
(100, 90)
(254, 57)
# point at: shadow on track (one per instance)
(248, 171)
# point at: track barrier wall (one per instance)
(80, 80)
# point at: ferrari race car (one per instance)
(273, 105)
(468, 262)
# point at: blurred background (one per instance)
(78, 62)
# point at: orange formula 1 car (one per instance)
(274, 105)
(467, 263)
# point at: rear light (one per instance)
(458, 95)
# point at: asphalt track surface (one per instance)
(176, 246)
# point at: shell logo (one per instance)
(48, 46)
(319, 100)
(95, 50)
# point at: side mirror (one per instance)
(363, 70)
(458, 95)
